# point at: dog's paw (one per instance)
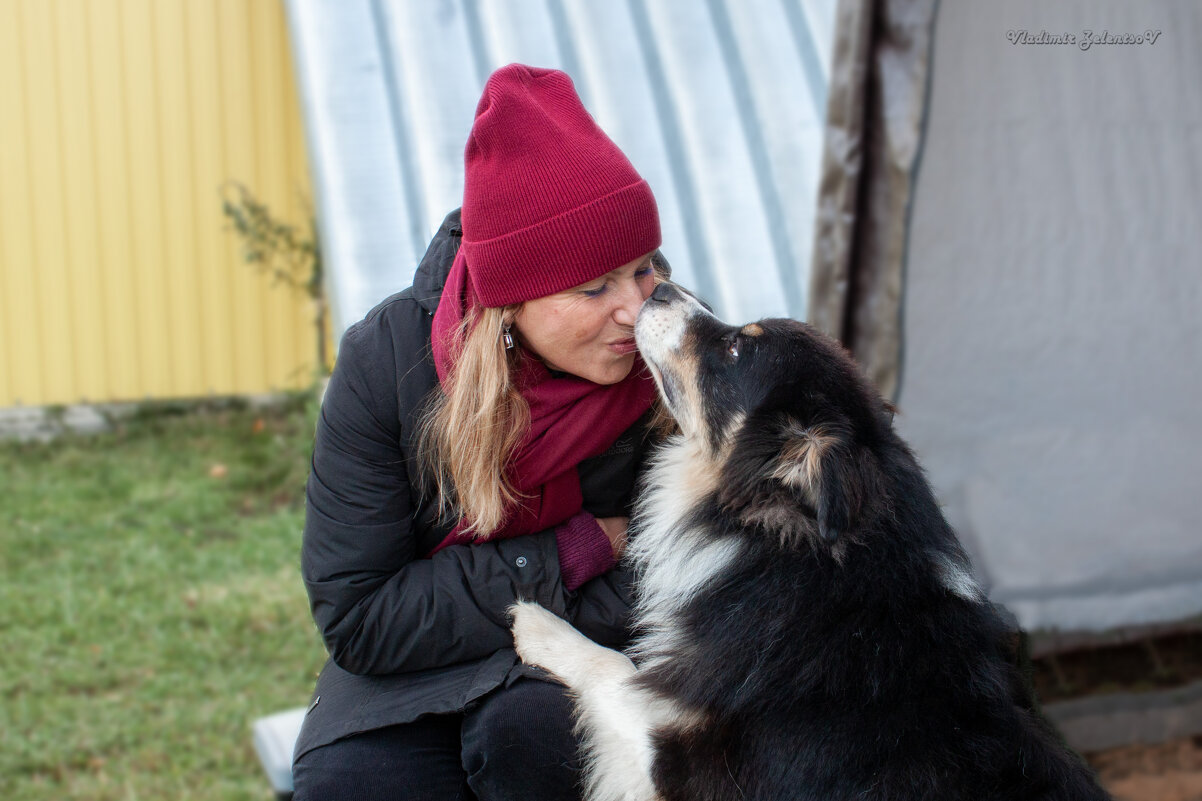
(543, 639)
(540, 637)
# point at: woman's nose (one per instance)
(629, 302)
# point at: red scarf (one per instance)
(571, 419)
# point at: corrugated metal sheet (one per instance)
(120, 122)
(719, 104)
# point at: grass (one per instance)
(152, 604)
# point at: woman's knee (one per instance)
(416, 761)
(519, 743)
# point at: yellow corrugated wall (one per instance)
(120, 122)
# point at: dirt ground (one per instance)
(1168, 772)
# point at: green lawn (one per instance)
(151, 604)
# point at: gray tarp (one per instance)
(1052, 332)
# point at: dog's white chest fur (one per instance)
(617, 717)
(674, 561)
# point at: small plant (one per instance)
(289, 254)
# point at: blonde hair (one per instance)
(469, 431)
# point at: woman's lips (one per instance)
(623, 346)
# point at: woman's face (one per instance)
(588, 330)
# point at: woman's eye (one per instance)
(643, 272)
(592, 293)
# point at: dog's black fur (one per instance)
(846, 653)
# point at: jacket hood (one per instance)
(434, 267)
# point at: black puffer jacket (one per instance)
(408, 635)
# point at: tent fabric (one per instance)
(875, 110)
(1053, 341)
(1032, 243)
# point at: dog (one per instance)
(808, 624)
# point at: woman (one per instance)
(478, 443)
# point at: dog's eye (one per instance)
(732, 347)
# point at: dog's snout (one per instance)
(664, 293)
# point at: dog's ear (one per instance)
(838, 502)
(816, 462)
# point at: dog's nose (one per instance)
(664, 293)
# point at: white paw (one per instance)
(541, 638)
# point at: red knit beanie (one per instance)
(549, 201)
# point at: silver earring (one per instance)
(507, 338)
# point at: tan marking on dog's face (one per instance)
(752, 330)
(663, 338)
(687, 403)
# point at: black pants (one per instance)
(517, 743)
